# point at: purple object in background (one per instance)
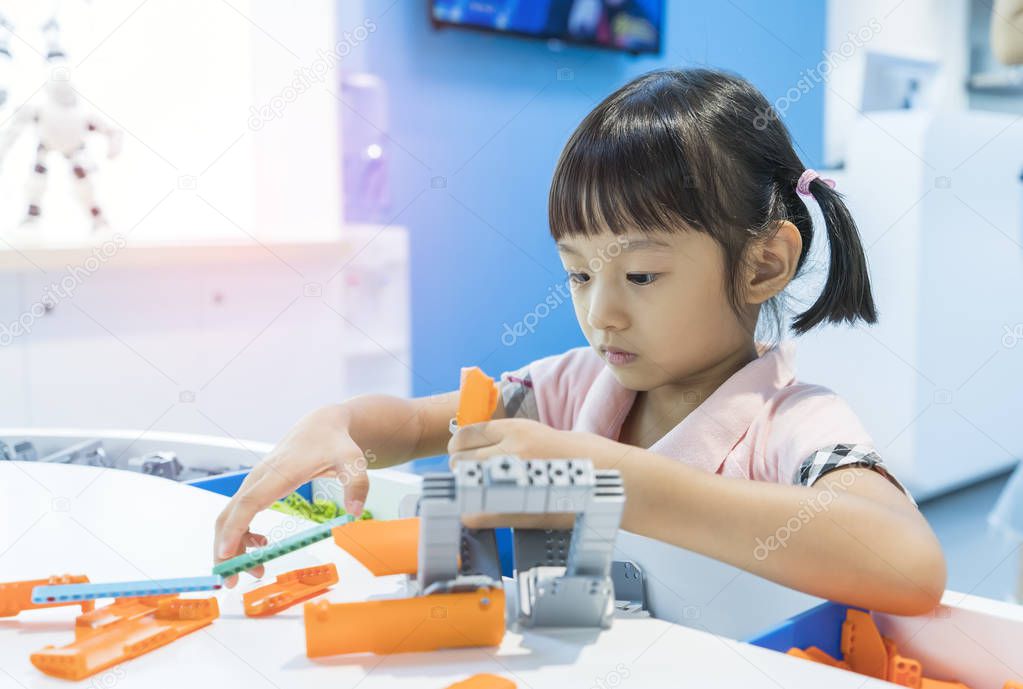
(364, 148)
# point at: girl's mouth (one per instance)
(617, 357)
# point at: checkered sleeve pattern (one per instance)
(518, 396)
(832, 457)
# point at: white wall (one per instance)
(181, 79)
(933, 30)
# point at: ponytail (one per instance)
(846, 296)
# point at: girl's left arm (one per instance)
(852, 536)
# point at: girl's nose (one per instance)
(603, 312)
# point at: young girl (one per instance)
(679, 211)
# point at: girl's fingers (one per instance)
(477, 455)
(473, 436)
(255, 540)
(249, 540)
(234, 521)
(467, 456)
(356, 489)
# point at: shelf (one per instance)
(21, 252)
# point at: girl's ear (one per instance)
(771, 263)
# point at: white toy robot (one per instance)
(59, 122)
(62, 126)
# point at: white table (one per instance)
(115, 525)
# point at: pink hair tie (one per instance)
(809, 175)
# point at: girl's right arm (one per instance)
(342, 440)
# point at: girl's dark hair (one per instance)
(703, 150)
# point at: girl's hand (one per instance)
(526, 439)
(318, 445)
(523, 437)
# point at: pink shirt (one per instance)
(760, 424)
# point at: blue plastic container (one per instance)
(820, 626)
(228, 484)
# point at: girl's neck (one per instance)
(655, 412)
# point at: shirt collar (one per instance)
(709, 433)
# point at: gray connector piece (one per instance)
(628, 583)
(440, 530)
(164, 464)
(479, 553)
(25, 452)
(88, 452)
(563, 577)
(596, 526)
(550, 598)
(540, 548)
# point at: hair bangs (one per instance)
(609, 180)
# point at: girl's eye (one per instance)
(578, 278)
(641, 278)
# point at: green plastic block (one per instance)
(258, 556)
(320, 510)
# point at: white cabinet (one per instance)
(235, 341)
(937, 381)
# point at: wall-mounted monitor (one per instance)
(633, 26)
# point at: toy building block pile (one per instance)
(452, 573)
(147, 614)
(866, 652)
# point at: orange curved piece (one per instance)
(818, 656)
(938, 684)
(824, 657)
(123, 630)
(477, 397)
(862, 646)
(382, 547)
(290, 588)
(403, 625)
(484, 680)
(16, 596)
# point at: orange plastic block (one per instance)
(383, 547)
(16, 596)
(484, 681)
(862, 646)
(818, 656)
(826, 658)
(906, 672)
(290, 588)
(477, 397)
(123, 630)
(402, 625)
(1011, 684)
(938, 684)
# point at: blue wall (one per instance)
(489, 115)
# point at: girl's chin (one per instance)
(631, 379)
